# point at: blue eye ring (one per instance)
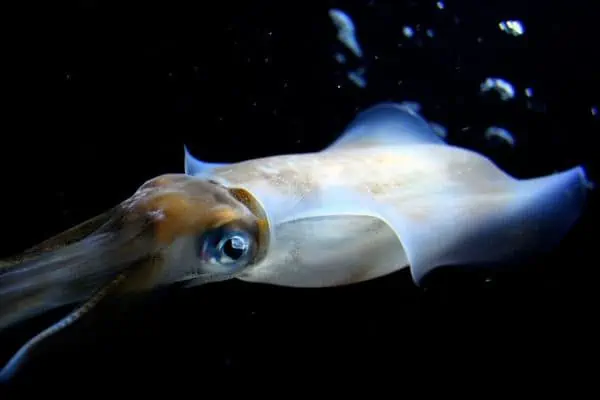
(228, 247)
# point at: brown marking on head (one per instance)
(179, 205)
(178, 215)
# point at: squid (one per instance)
(388, 194)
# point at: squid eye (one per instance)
(232, 248)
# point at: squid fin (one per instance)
(529, 217)
(464, 227)
(386, 124)
(196, 167)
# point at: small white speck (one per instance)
(504, 88)
(266, 60)
(156, 214)
(270, 33)
(479, 39)
(357, 77)
(594, 111)
(438, 129)
(339, 57)
(500, 133)
(254, 104)
(528, 92)
(514, 28)
(408, 31)
(429, 32)
(589, 185)
(440, 5)
(411, 105)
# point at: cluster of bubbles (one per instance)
(347, 36)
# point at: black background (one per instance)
(102, 96)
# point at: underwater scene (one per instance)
(199, 191)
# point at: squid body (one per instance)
(388, 194)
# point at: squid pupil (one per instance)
(234, 248)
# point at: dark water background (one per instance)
(105, 94)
